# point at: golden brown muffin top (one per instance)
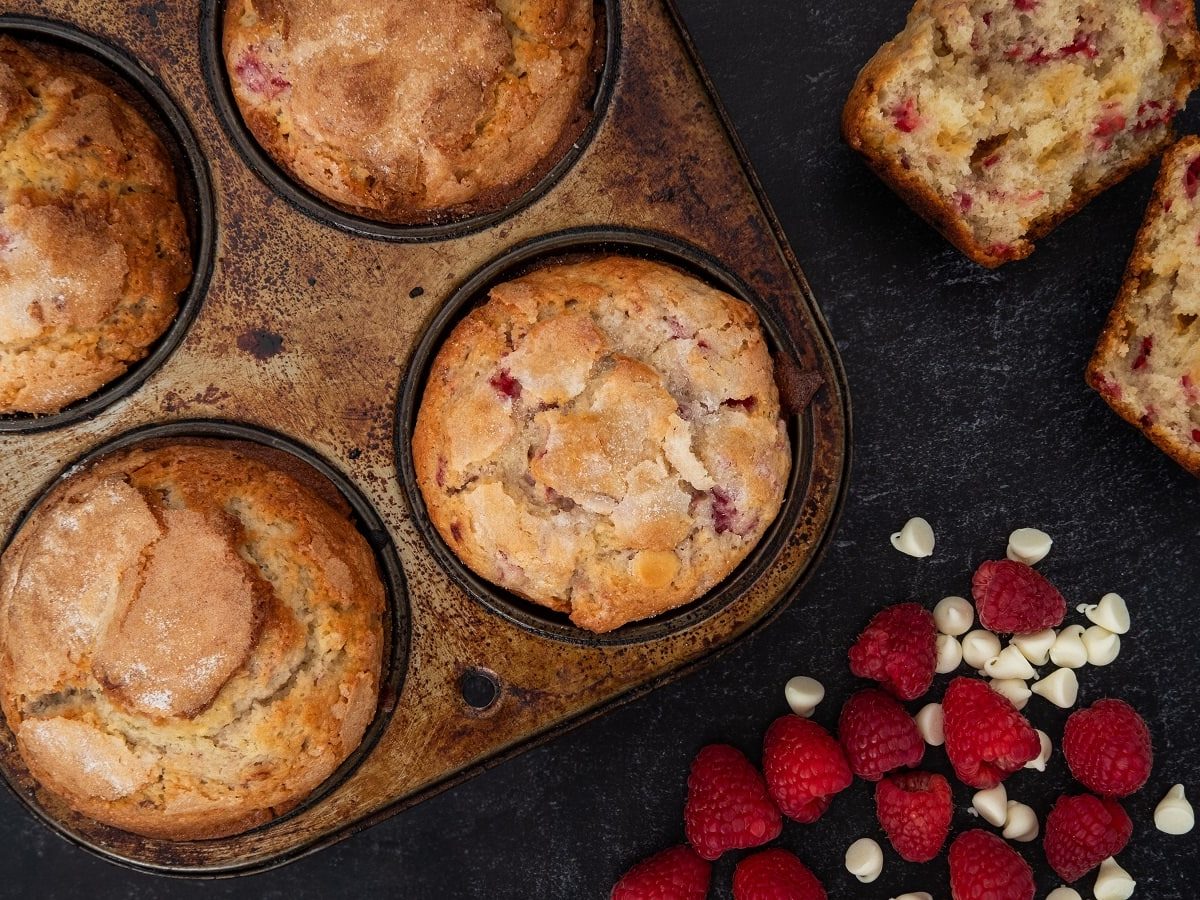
(93, 243)
(190, 640)
(408, 107)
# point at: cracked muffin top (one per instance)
(404, 109)
(190, 640)
(603, 438)
(93, 244)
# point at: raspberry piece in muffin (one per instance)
(1147, 362)
(575, 444)
(997, 119)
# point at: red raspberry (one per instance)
(675, 874)
(728, 807)
(1011, 597)
(1108, 749)
(775, 875)
(804, 766)
(878, 735)
(986, 738)
(898, 649)
(984, 867)
(1082, 832)
(915, 809)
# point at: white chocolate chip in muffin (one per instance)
(915, 538)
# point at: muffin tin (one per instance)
(313, 336)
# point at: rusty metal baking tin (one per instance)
(339, 314)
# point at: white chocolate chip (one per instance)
(915, 895)
(803, 694)
(1060, 687)
(1036, 647)
(1113, 882)
(1014, 689)
(1068, 650)
(1044, 756)
(992, 805)
(1111, 613)
(915, 538)
(954, 616)
(930, 722)
(1064, 893)
(1174, 815)
(1011, 663)
(864, 860)
(1028, 545)
(949, 654)
(1102, 645)
(978, 647)
(1021, 823)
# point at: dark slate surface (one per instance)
(970, 409)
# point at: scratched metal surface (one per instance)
(306, 330)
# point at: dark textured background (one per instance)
(970, 409)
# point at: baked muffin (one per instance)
(1147, 362)
(404, 109)
(603, 438)
(93, 245)
(190, 640)
(997, 119)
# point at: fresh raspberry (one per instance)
(1107, 747)
(775, 875)
(898, 649)
(878, 735)
(728, 807)
(804, 766)
(1013, 598)
(986, 738)
(675, 874)
(915, 809)
(1082, 832)
(984, 867)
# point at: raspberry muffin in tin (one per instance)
(603, 438)
(410, 111)
(191, 639)
(94, 249)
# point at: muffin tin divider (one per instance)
(307, 330)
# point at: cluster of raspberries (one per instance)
(732, 806)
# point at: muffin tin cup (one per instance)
(574, 244)
(428, 228)
(272, 448)
(136, 84)
(322, 331)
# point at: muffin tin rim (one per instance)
(202, 244)
(311, 204)
(523, 613)
(395, 654)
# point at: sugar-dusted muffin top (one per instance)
(603, 438)
(93, 244)
(997, 119)
(406, 108)
(190, 640)
(1147, 362)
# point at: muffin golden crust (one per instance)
(93, 244)
(603, 438)
(190, 640)
(402, 109)
(998, 119)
